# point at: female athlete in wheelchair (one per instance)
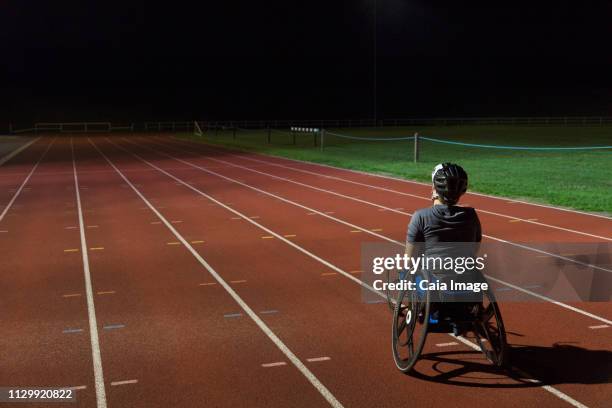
(420, 311)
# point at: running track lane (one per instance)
(45, 339)
(548, 329)
(14, 173)
(381, 321)
(393, 223)
(399, 189)
(166, 331)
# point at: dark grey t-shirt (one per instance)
(444, 223)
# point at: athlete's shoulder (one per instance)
(470, 212)
(422, 212)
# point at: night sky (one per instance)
(85, 60)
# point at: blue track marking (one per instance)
(114, 326)
(68, 331)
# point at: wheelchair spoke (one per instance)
(488, 313)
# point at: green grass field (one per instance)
(574, 179)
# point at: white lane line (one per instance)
(529, 378)
(247, 309)
(529, 220)
(277, 364)
(402, 212)
(546, 298)
(124, 382)
(601, 326)
(78, 387)
(317, 359)
(383, 237)
(300, 249)
(348, 197)
(17, 151)
(21, 187)
(373, 205)
(375, 175)
(91, 310)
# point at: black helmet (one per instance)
(450, 182)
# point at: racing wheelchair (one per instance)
(419, 312)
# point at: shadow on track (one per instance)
(561, 363)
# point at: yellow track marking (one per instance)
(197, 242)
(356, 231)
(96, 248)
(238, 281)
(71, 250)
(107, 292)
(71, 295)
(329, 273)
(356, 272)
(290, 236)
(376, 230)
(207, 284)
(173, 243)
(267, 237)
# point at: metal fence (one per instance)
(190, 126)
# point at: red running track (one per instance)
(195, 304)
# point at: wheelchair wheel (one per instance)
(409, 329)
(490, 332)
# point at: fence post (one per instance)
(416, 147)
(322, 133)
